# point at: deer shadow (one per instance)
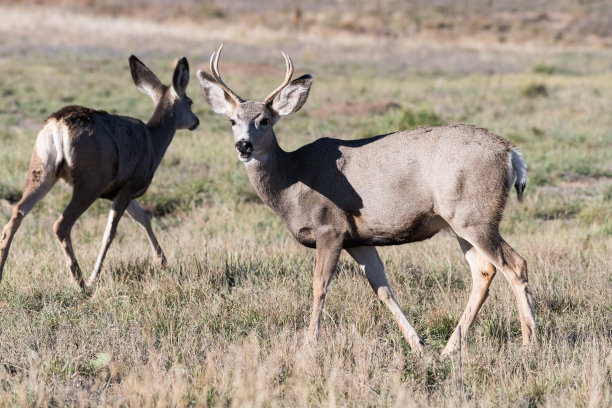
(325, 173)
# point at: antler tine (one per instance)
(214, 68)
(288, 75)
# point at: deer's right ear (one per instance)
(214, 95)
(145, 79)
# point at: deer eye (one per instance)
(232, 122)
(264, 122)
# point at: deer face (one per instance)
(252, 121)
(181, 105)
(185, 118)
(252, 127)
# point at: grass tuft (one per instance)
(535, 90)
(10, 193)
(544, 69)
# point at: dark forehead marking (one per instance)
(250, 109)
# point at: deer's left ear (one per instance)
(293, 96)
(145, 79)
(180, 78)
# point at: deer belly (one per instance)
(395, 232)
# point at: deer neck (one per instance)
(162, 127)
(272, 176)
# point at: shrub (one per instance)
(9, 193)
(544, 69)
(535, 90)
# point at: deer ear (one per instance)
(145, 79)
(214, 95)
(293, 96)
(180, 78)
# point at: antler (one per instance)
(214, 68)
(288, 76)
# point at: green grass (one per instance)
(224, 323)
(535, 90)
(544, 69)
(423, 117)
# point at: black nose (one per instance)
(244, 147)
(197, 123)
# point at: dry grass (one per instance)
(223, 325)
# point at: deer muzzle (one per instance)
(245, 148)
(195, 125)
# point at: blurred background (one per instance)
(442, 35)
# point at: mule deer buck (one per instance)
(385, 190)
(104, 156)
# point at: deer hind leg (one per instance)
(369, 261)
(516, 273)
(118, 207)
(38, 184)
(483, 272)
(82, 199)
(514, 268)
(140, 216)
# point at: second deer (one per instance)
(386, 190)
(104, 156)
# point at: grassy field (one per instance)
(223, 324)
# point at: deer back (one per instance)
(91, 146)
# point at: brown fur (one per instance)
(74, 115)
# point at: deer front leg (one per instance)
(140, 216)
(369, 261)
(329, 246)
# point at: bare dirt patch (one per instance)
(579, 185)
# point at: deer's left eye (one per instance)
(264, 122)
